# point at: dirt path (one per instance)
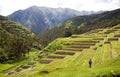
(9, 70)
(101, 57)
(111, 52)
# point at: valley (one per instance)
(62, 42)
(68, 57)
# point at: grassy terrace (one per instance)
(92, 45)
(12, 66)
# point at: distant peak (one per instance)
(33, 7)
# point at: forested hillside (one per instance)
(80, 24)
(15, 40)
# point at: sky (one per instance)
(9, 6)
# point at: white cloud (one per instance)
(9, 6)
(103, 1)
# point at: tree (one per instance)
(68, 32)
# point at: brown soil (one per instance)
(72, 49)
(97, 76)
(104, 76)
(98, 39)
(112, 39)
(31, 63)
(118, 35)
(100, 45)
(95, 48)
(80, 46)
(118, 76)
(111, 54)
(89, 41)
(65, 53)
(18, 70)
(75, 36)
(45, 61)
(10, 72)
(107, 42)
(44, 72)
(25, 67)
(56, 57)
(89, 44)
(109, 31)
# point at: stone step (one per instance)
(25, 67)
(109, 31)
(31, 63)
(117, 35)
(90, 44)
(9, 73)
(64, 53)
(107, 42)
(112, 39)
(56, 57)
(45, 61)
(75, 36)
(81, 45)
(100, 45)
(89, 41)
(98, 39)
(18, 70)
(72, 49)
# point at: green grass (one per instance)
(77, 64)
(6, 66)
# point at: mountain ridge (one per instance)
(81, 24)
(40, 18)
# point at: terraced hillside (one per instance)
(69, 57)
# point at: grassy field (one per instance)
(104, 53)
(6, 66)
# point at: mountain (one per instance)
(15, 40)
(40, 18)
(80, 24)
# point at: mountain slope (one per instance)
(40, 18)
(81, 24)
(15, 40)
(69, 57)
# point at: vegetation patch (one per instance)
(57, 44)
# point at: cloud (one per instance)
(0, 9)
(118, 2)
(9, 6)
(103, 1)
(60, 3)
